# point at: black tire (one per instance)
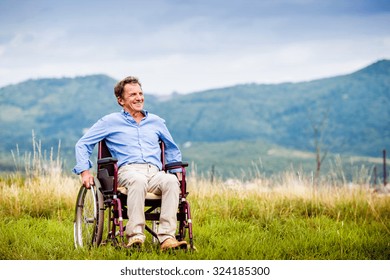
(89, 217)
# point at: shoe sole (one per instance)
(183, 246)
(135, 245)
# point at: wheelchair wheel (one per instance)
(89, 217)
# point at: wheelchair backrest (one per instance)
(103, 151)
(106, 169)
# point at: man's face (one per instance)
(132, 98)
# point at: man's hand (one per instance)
(87, 179)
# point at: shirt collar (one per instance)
(128, 115)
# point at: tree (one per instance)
(318, 125)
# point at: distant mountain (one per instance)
(355, 110)
(351, 112)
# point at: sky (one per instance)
(188, 46)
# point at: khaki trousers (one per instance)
(140, 179)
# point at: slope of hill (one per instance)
(355, 108)
(351, 113)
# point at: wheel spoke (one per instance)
(88, 228)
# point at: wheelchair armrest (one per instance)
(107, 160)
(174, 165)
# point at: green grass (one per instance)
(267, 221)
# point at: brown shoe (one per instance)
(172, 243)
(135, 243)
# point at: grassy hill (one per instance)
(246, 160)
(228, 127)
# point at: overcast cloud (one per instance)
(186, 46)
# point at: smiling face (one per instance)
(132, 99)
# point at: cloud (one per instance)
(187, 46)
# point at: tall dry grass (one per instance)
(38, 187)
(291, 193)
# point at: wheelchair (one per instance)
(103, 201)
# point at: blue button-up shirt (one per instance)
(128, 141)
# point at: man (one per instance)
(132, 136)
